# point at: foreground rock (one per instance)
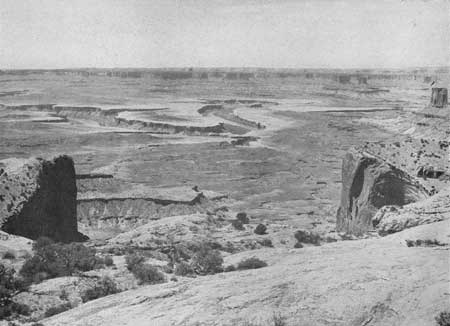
(391, 219)
(363, 282)
(38, 198)
(369, 183)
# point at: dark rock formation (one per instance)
(439, 97)
(38, 198)
(369, 183)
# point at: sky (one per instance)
(218, 33)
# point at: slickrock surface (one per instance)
(369, 183)
(363, 282)
(38, 198)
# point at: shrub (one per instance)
(251, 263)
(230, 268)
(260, 229)
(238, 225)
(298, 245)
(183, 269)
(145, 273)
(57, 310)
(307, 237)
(134, 260)
(242, 216)
(9, 255)
(266, 242)
(443, 319)
(278, 320)
(207, 261)
(424, 243)
(104, 287)
(9, 286)
(55, 259)
(148, 274)
(108, 261)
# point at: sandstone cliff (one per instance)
(369, 183)
(38, 198)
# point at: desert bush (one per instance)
(230, 268)
(148, 274)
(183, 269)
(52, 260)
(251, 263)
(105, 286)
(307, 237)
(9, 255)
(145, 273)
(9, 286)
(238, 225)
(266, 242)
(134, 260)
(443, 319)
(57, 309)
(424, 243)
(260, 229)
(108, 260)
(242, 216)
(207, 261)
(278, 320)
(298, 245)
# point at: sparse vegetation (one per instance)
(207, 261)
(104, 287)
(230, 268)
(443, 319)
(183, 269)
(424, 243)
(266, 242)
(9, 255)
(108, 261)
(251, 263)
(148, 274)
(145, 273)
(52, 260)
(9, 286)
(57, 309)
(238, 225)
(242, 216)
(260, 229)
(133, 260)
(307, 237)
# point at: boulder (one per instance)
(369, 183)
(38, 198)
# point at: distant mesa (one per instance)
(38, 198)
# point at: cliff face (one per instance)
(38, 198)
(369, 183)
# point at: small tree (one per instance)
(9, 286)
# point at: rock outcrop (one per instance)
(391, 219)
(38, 198)
(369, 183)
